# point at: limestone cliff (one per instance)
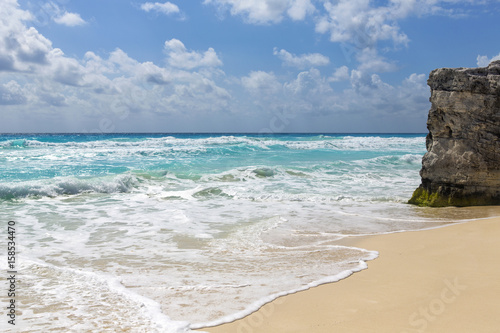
(462, 163)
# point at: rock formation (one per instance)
(462, 163)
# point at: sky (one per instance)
(261, 66)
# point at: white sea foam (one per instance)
(194, 144)
(67, 186)
(234, 244)
(259, 303)
(198, 229)
(76, 300)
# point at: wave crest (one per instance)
(67, 186)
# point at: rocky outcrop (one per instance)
(462, 163)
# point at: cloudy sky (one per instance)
(233, 65)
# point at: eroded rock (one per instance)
(462, 163)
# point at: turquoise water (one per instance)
(167, 232)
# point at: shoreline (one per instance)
(433, 280)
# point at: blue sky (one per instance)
(233, 65)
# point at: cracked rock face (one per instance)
(462, 163)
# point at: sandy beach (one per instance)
(438, 280)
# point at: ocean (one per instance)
(172, 232)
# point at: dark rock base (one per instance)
(443, 195)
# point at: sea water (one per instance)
(165, 233)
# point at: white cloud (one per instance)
(166, 8)
(359, 23)
(37, 80)
(302, 61)
(45, 12)
(345, 18)
(65, 70)
(124, 64)
(261, 83)
(142, 86)
(180, 57)
(11, 94)
(308, 83)
(483, 61)
(12, 16)
(410, 98)
(309, 97)
(70, 19)
(266, 11)
(51, 99)
(371, 62)
(299, 9)
(364, 23)
(154, 74)
(310, 93)
(340, 74)
(22, 49)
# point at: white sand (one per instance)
(439, 280)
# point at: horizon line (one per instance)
(251, 133)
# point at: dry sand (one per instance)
(439, 280)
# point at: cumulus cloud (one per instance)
(340, 74)
(310, 93)
(299, 9)
(180, 57)
(166, 8)
(260, 83)
(11, 94)
(483, 61)
(70, 19)
(6, 62)
(37, 79)
(146, 86)
(266, 11)
(45, 12)
(362, 24)
(344, 18)
(366, 98)
(24, 49)
(408, 99)
(308, 83)
(65, 70)
(302, 61)
(372, 62)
